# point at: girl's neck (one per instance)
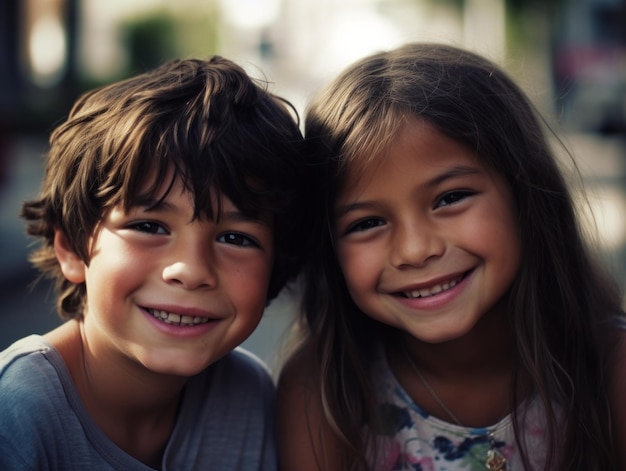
(489, 346)
(475, 376)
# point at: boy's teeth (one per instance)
(171, 318)
(425, 292)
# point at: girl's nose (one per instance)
(415, 244)
(192, 266)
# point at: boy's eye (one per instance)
(453, 197)
(149, 227)
(365, 225)
(235, 238)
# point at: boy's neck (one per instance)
(136, 411)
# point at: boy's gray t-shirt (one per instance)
(225, 422)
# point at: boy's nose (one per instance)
(192, 267)
(414, 245)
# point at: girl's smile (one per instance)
(436, 296)
(432, 288)
(427, 236)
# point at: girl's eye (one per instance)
(365, 225)
(453, 197)
(149, 227)
(235, 238)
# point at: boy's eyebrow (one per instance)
(152, 204)
(149, 204)
(238, 216)
(454, 172)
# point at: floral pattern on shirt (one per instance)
(413, 440)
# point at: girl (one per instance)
(454, 317)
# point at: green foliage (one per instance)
(518, 6)
(151, 41)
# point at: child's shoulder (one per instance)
(32, 383)
(247, 360)
(300, 370)
(31, 370)
(305, 435)
(231, 403)
(236, 373)
(24, 360)
(247, 364)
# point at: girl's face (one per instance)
(427, 238)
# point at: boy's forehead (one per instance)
(215, 205)
(155, 190)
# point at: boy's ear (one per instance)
(72, 266)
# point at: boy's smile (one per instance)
(181, 321)
(178, 319)
(174, 293)
(427, 237)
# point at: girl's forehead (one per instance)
(357, 172)
(372, 151)
(419, 148)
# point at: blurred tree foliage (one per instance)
(521, 5)
(150, 41)
(162, 36)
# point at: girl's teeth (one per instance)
(425, 292)
(171, 318)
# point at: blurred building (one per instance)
(590, 65)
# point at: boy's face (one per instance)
(171, 293)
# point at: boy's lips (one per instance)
(178, 319)
(179, 315)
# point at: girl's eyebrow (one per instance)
(457, 171)
(344, 209)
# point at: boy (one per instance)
(170, 214)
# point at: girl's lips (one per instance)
(434, 289)
(435, 300)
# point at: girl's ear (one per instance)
(72, 266)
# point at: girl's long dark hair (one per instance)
(563, 307)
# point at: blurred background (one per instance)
(569, 56)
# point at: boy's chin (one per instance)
(181, 364)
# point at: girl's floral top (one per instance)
(414, 440)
